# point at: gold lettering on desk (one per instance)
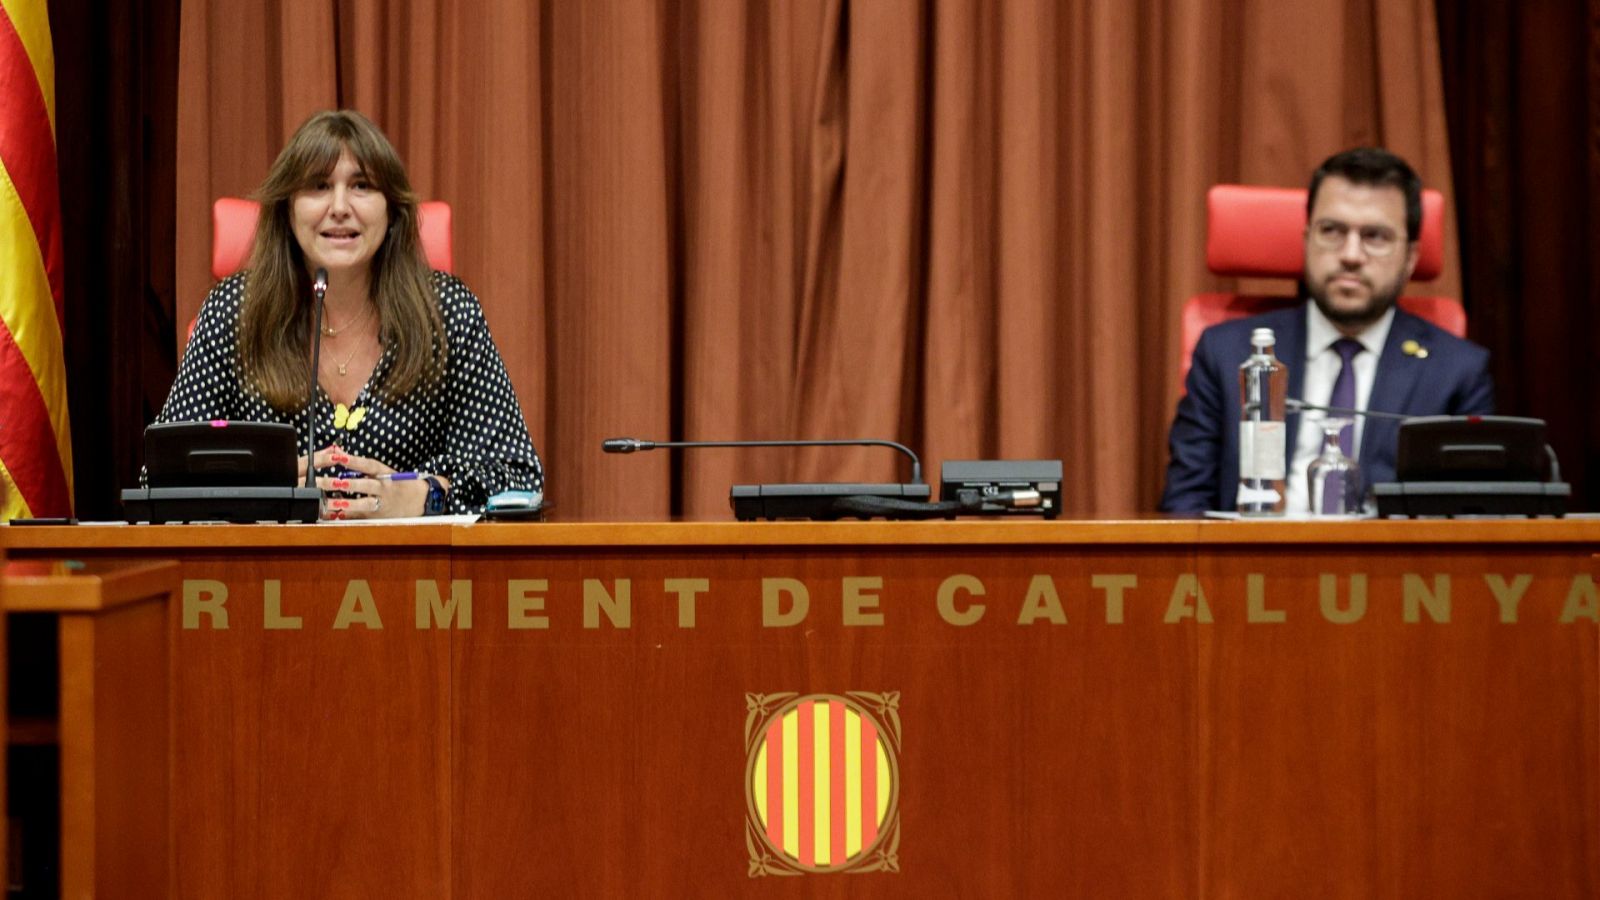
(946, 600)
(960, 599)
(1114, 586)
(1508, 596)
(1417, 596)
(357, 607)
(1328, 596)
(203, 596)
(1255, 601)
(1041, 602)
(857, 601)
(772, 593)
(686, 589)
(618, 606)
(272, 617)
(1581, 600)
(525, 598)
(1185, 589)
(433, 611)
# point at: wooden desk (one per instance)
(1146, 708)
(113, 720)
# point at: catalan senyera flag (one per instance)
(35, 438)
(820, 782)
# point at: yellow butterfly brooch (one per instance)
(347, 418)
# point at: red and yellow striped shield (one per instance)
(822, 783)
(35, 439)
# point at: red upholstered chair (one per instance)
(1258, 232)
(233, 230)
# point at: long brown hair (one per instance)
(275, 321)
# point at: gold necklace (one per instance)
(330, 331)
(344, 367)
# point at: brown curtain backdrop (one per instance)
(965, 225)
(1523, 81)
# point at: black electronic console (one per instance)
(1002, 487)
(825, 500)
(221, 472)
(1453, 466)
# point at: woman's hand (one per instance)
(380, 498)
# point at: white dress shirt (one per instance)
(1322, 365)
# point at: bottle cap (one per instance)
(1262, 337)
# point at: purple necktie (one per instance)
(1344, 397)
(1344, 389)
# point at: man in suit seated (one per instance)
(1347, 346)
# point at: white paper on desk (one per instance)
(461, 519)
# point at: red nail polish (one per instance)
(339, 484)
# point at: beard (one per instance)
(1380, 298)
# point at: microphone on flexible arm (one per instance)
(231, 471)
(1294, 405)
(631, 445)
(319, 291)
(826, 500)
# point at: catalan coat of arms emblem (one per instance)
(822, 783)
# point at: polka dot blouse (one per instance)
(467, 428)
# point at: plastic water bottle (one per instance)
(1263, 434)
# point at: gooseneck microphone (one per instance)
(1294, 405)
(825, 500)
(319, 291)
(632, 445)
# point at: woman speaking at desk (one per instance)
(409, 381)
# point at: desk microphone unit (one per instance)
(822, 501)
(221, 472)
(1454, 466)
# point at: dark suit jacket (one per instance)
(1203, 471)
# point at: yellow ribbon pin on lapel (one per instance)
(1412, 348)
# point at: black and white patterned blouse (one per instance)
(467, 428)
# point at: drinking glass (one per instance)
(1334, 480)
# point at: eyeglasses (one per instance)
(1376, 240)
